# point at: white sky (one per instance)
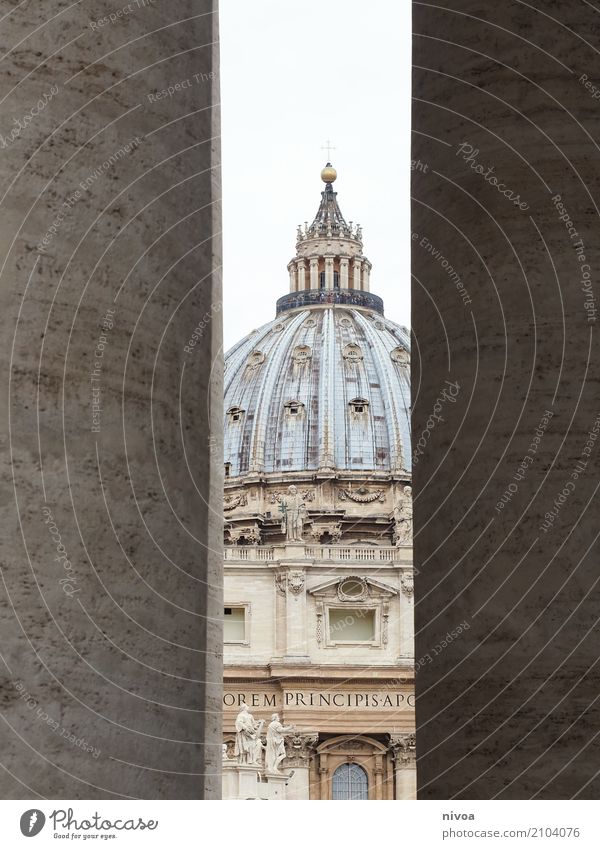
(294, 74)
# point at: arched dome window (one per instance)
(235, 414)
(359, 406)
(350, 781)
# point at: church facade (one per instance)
(318, 620)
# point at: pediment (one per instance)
(333, 588)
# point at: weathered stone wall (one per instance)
(506, 120)
(111, 486)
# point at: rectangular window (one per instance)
(234, 625)
(351, 625)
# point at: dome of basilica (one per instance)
(326, 384)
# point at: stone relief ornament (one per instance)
(352, 588)
(400, 355)
(280, 583)
(352, 353)
(361, 495)
(251, 533)
(306, 495)
(301, 354)
(403, 518)
(255, 359)
(333, 529)
(277, 328)
(403, 748)
(232, 501)
(408, 584)
(295, 582)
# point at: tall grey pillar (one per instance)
(505, 262)
(111, 341)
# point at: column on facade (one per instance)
(329, 272)
(344, 273)
(357, 279)
(300, 750)
(405, 765)
(295, 610)
(301, 277)
(366, 276)
(314, 273)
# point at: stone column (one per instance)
(111, 485)
(405, 765)
(344, 273)
(295, 607)
(293, 278)
(300, 749)
(301, 275)
(366, 276)
(329, 272)
(314, 273)
(357, 281)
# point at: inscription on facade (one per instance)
(331, 699)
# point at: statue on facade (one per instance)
(294, 514)
(403, 515)
(275, 752)
(248, 746)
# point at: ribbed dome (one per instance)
(319, 388)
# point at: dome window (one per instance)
(294, 408)
(235, 414)
(227, 470)
(359, 405)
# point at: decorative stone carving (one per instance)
(362, 495)
(280, 582)
(352, 352)
(251, 533)
(305, 494)
(403, 748)
(293, 515)
(385, 615)
(230, 502)
(300, 748)
(319, 632)
(334, 529)
(277, 328)
(248, 745)
(400, 355)
(310, 322)
(255, 360)
(301, 354)
(353, 588)
(345, 322)
(295, 582)
(403, 518)
(407, 583)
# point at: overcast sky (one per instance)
(292, 76)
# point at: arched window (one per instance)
(350, 782)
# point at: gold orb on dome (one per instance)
(328, 174)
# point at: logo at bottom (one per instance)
(32, 822)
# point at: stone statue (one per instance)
(403, 515)
(275, 743)
(248, 745)
(294, 513)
